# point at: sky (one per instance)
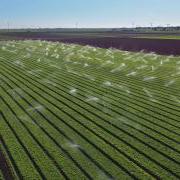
(88, 13)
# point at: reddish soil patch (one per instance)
(4, 166)
(159, 46)
(121, 41)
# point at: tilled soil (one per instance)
(159, 46)
(123, 42)
(4, 166)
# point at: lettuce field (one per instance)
(78, 112)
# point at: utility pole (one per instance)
(76, 25)
(8, 26)
(168, 25)
(151, 26)
(132, 24)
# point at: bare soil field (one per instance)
(4, 166)
(123, 41)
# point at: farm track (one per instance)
(122, 133)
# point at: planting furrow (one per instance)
(146, 125)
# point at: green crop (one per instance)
(79, 112)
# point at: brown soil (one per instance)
(4, 165)
(118, 41)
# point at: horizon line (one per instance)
(125, 27)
